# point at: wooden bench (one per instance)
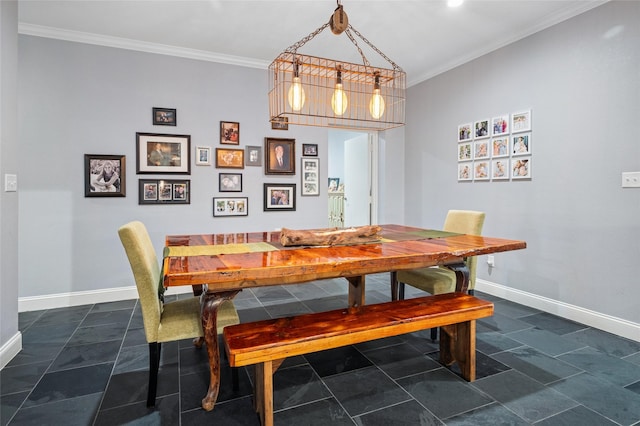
(268, 343)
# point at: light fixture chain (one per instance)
(393, 64)
(355, 43)
(294, 47)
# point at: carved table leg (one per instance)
(210, 306)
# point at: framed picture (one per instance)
(521, 168)
(500, 169)
(464, 171)
(334, 184)
(104, 175)
(279, 196)
(229, 158)
(521, 144)
(521, 121)
(203, 156)
(481, 150)
(253, 156)
(280, 155)
(464, 132)
(164, 117)
(280, 123)
(230, 182)
(500, 125)
(481, 129)
(464, 151)
(481, 170)
(309, 149)
(234, 206)
(159, 153)
(229, 133)
(500, 147)
(163, 191)
(310, 176)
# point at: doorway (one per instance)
(352, 166)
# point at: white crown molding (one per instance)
(141, 46)
(598, 320)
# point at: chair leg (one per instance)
(154, 365)
(394, 285)
(235, 379)
(434, 333)
(400, 291)
(471, 291)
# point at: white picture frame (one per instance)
(481, 170)
(465, 171)
(500, 147)
(521, 121)
(521, 144)
(310, 175)
(521, 168)
(481, 129)
(500, 169)
(481, 149)
(465, 151)
(465, 132)
(203, 155)
(500, 125)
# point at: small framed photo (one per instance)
(521, 144)
(229, 158)
(481, 129)
(203, 156)
(464, 132)
(253, 156)
(334, 184)
(464, 171)
(280, 155)
(464, 151)
(500, 125)
(230, 206)
(500, 147)
(164, 191)
(309, 149)
(280, 123)
(521, 121)
(160, 153)
(521, 168)
(230, 182)
(481, 150)
(164, 117)
(481, 170)
(229, 133)
(310, 176)
(279, 196)
(500, 169)
(104, 175)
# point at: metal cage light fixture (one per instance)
(313, 91)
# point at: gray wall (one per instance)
(78, 99)
(581, 80)
(8, 155)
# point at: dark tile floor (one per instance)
(87, 365)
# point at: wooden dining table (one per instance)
(221, 265)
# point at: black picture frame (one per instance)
(230, 206)
(165, 117)
(230, 182)
(310, 150)
(280, 123)
(279, 197)
(97, 168)
(159, 153)
(230, 133)
(164, 191)
(271, 155)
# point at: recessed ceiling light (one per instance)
(454, 3)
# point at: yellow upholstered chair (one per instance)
(163, 322)
(438, 280)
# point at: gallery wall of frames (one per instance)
(170, 154)
(496, 149)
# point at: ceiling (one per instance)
(424, 37)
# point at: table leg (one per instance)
(356, 291)
(210, 304)
(462, 275)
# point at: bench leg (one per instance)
(458, 344)
(263, 390)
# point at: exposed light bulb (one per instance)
(339, 98)
(296, 95)
(376, 104)
(296, 91)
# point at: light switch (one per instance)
(10, 183)
(631, 180)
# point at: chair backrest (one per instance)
(466, 222)
(146, 272)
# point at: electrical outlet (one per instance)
(631, 180)
(491, 261)
(10, 183)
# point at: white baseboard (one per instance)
(10, 349)
(77, 298)
(605, 322)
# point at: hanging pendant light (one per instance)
(376, 105)
(339, 98)
(296, 91)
